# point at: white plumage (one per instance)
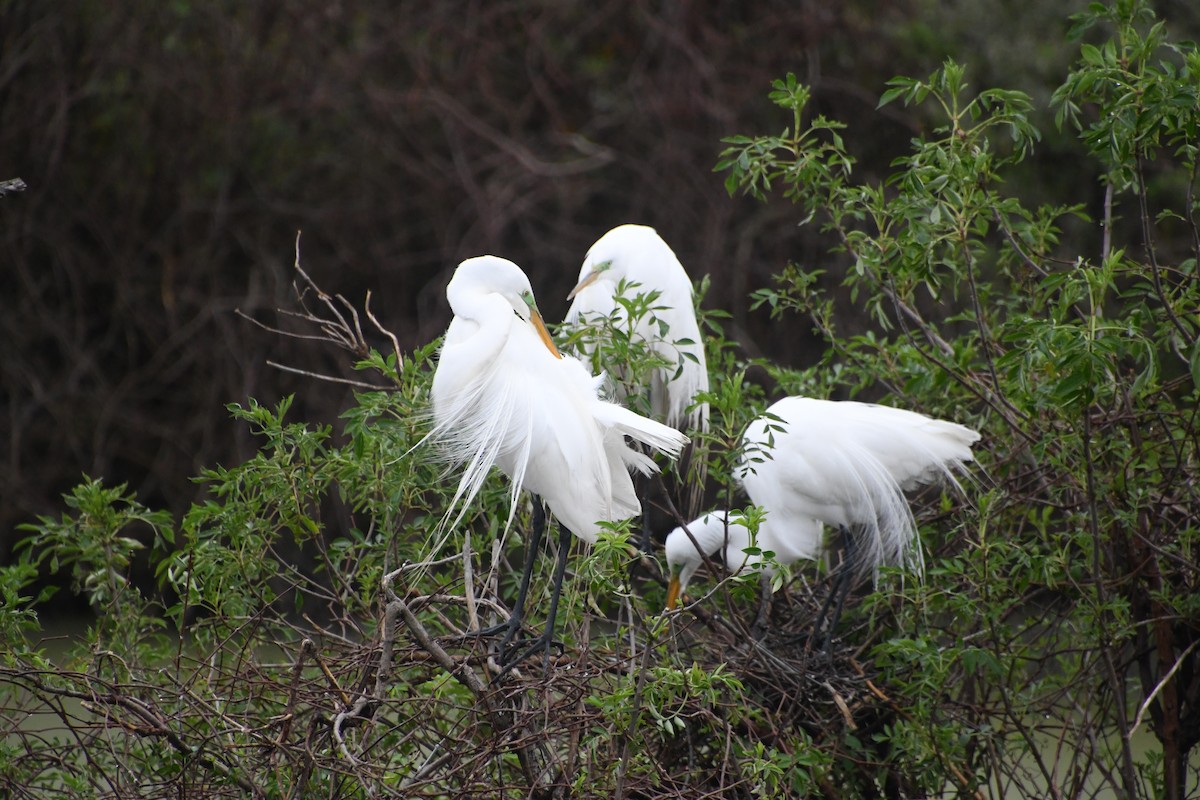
(503, 395)
(713, 533)
(810, 463)
(637, 254)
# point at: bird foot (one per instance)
(483, 633)
(515, 652)
(509, 642)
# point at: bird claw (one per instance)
(483, 633)
(543, 643)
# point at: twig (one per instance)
(318, 376)
(329, 677)
(408, 566)
(332, 379)
(463, 674)
(840, 702)
(468, 584)
(634, 720)
(1155, 270)
(1106, 242)
(289, 711)
(1137, 720)
(395, 342)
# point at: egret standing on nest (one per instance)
(504, 395)
(809, 463)
(636, 254)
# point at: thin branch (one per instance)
(1137, 720)
(1106, 244)
(595, 158)
(395, 342)
(330, 378)
(1189, 204)
(1148, 236)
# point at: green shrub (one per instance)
(1049, 651)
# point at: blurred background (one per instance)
(173, 149)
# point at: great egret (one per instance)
(711, 532)
(809, 463)
(637, 254)
(503, 395)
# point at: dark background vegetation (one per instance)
(173, 149)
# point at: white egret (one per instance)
(808, 463)
(503, 395)
(711, 532)
(637, 254)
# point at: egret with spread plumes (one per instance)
(809, 463)
(503, 395)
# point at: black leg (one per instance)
(545, 642)
(531, 554)
(646, 542)
(643, 485)
(513, 625)
(843, 581)
(560, 574)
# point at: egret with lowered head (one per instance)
(809, 463)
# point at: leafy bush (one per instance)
(1049, 651)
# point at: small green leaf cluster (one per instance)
(98, 545)
(613, 343)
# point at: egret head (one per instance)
(621, 254)
(590, 274)
(495, 275)
(710, 532)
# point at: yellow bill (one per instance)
(587, 281)
(544, 334)
(673, 593)
(590, 278)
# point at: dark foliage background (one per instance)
(173, 149)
